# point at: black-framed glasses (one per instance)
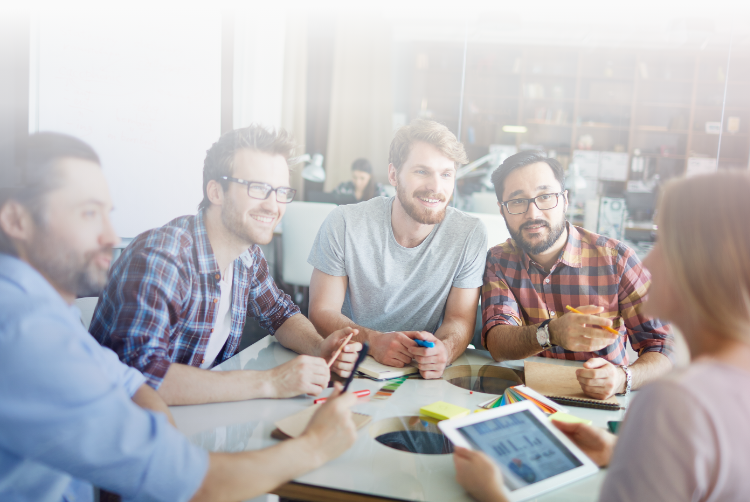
(259, 190)
(543, 202)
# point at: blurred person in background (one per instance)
(362, 186)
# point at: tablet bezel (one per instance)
(450, 429)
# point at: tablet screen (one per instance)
(523, 448)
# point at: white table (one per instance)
(369, 470)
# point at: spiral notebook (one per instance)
(560, 384)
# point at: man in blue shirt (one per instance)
(72, 415)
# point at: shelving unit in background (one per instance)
(653, 101)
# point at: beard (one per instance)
(417, 212)
(231, 217)
(555, 231)
(68, 269)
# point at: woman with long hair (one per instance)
(362, 185)
(685, 437)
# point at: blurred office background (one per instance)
(624, 95)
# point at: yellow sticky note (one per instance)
(571, 419)
(443, 411)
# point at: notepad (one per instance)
(570, 419)
(443, 411)
(560, 384)
(294, 425)
(373, 369)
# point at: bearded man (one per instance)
(549, 264)
(179, 295)
(406, 267)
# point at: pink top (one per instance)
(685, 437)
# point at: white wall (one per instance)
(143, 88)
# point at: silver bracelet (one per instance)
(628, 378)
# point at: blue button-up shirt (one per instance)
(67, 420)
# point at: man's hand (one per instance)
(331, 430)
(433, 360)
(478, 475)
(301, 375)
(601, 379)
(347, 357)
(392, 349)
(596, 443)
(578, 332)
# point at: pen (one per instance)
(358, 393)
(614, 332)
(343, 344)
(423, 343)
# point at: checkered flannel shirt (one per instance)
(159, 306)
(592, 270)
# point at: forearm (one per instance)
(456, 335)
(326, 321)
(649, 367)
(148, 398)
(242, 476)
(298, 334)
(512, 342)
(188, 385)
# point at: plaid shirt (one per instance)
(592, 270)
(160, 303)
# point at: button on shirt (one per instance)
(162, 299)
(67, 420)
(591, 270)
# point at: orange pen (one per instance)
(613, 331)
(343, 344)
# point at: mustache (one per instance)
(532, 223)
(426, 194)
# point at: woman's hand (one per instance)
(598, 444)
(478, 475)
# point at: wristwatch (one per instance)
(542, 335)
(628, 378)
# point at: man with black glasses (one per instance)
(548, 265)
(178, 297)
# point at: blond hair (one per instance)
(426, 131)
(705, 237)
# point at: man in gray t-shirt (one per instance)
(406, 267)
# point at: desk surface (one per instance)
(369, 467)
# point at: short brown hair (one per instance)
(706, 240)
(430, 132)
(220, 157)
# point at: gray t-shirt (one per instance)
(393, 288)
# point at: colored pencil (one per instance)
(343, 344)
(613, 331)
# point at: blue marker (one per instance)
(423, 343)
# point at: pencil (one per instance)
(343, 344)
(613, 331)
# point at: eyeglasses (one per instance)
(258, 190)
(542, 202)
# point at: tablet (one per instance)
(533, 455)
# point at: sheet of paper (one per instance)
(294, 425)
(554, 380)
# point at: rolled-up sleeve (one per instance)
(270, 306)
(499, 305)
(646, 334)
(136, 312)
(69, 411)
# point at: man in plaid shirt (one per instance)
(550, 264)
(177, 299)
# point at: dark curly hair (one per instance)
(220, 157)
(522, 159)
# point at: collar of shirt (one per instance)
(205, 258)
(571, 255)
